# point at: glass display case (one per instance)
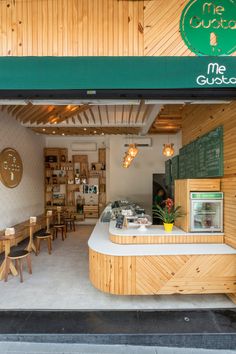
(206, 211)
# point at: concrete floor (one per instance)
(60, 281)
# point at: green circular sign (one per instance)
(209, 27)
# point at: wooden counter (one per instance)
(149, 269)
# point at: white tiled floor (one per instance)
(60, 281)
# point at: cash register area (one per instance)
(61, 281)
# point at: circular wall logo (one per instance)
(209, 27)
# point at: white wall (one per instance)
(135, 182)
(27, 199)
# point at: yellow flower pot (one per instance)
(168, 227)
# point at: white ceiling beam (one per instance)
(155, 110)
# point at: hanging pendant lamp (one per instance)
(168, 150)
(133, 150)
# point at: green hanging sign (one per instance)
(209, 27)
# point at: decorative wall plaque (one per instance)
(11, 168)
(209, 27)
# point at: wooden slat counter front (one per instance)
(149, 269)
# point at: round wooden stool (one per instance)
(18, 257)
(43, 236)
(59, 228)
(70, 224)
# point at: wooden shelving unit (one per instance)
(74, 184)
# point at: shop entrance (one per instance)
(104, 101)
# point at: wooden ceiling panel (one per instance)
(67, 131)
(169, 120)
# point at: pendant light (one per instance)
(168, 150)
(133, 150)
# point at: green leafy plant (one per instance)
(168, 213)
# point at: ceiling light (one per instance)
(168, 150)
(95, 131)
(63, 134)
(85, 128)
(44, 129)
(53, 132)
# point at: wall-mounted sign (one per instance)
(11, 167)
(215, 74)
(209, 27)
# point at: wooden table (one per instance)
(8, 240)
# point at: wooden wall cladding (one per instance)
(91, 27)
(161, 28)
(148, 275)
(71, 27)
(198, 120)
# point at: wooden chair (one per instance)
(69, 221)
(59, 228)
(18, 256)
(43, 235)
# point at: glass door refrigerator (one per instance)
(206, 211)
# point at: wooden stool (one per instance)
(61, 228)
(70, 224)
(18, 257)
(43, 236)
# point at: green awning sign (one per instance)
(209, 27)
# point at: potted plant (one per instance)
(168, 213)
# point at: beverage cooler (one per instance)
(206, 211)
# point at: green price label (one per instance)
(209, 27)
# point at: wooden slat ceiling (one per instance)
(64, 131)
(169, 120)
(85, 119)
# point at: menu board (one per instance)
(203, 157)
(175, 167)
(168, 172)
(190, 160)
(209, 154)
(182, 158)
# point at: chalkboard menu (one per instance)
(182, 158)
(168, 172)
(175, 167)
(190, 160)
(202, 158)
(209, 159)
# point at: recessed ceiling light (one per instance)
(44, 129)
(85, 128)
(63, 134)
(102, 133)
(53, 132)
(95, 131)
(54, 122)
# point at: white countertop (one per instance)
(99, 242)
(154, 230)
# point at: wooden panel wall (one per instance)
(198, 120)
(91, 27)
(71, 27)
(161, 28)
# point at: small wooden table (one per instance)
(7, 244)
